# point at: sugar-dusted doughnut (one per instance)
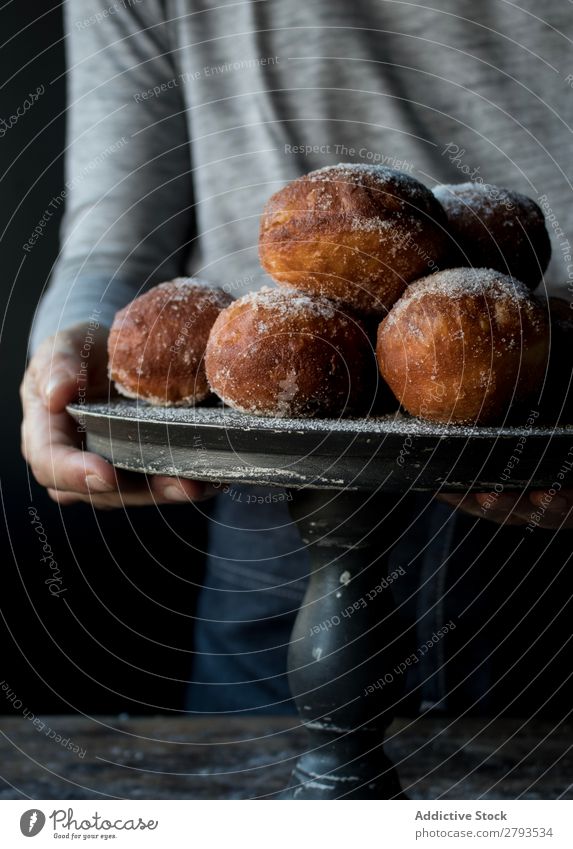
(284, 353)
(355, 233)
(462, 345)
(492, 227)
(157, 342)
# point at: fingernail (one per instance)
(96, 484)
(55, 382)
(56, 379)
(51, 385)
(173, 493)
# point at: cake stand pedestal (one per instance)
(345, 642)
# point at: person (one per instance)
(182, 119)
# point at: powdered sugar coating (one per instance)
(182, 289)
(398, 423)
(357, 234)
(286, 304)
(157, 342)
(353, 172)
(389, 188)
(496, 227)
(195, 397)
(454, 197)
(456, 283)
(280, 352)
(463, 345)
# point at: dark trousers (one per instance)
(508, 592)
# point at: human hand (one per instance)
(51, 442)
(535, 508)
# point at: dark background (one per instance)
(123, 640)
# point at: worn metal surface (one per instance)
(393, 453)
(227, 758)
(334, 659)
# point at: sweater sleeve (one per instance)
(128, 194)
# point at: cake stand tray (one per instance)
(393, 453)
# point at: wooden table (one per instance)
(227, 758)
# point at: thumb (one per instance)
(59, 383)
(64, 363)
(55, 370)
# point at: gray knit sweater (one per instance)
(185, 115)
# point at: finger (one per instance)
(59, 370)
(462, 501)
(451, 498)
(64, 498)
(499, 517)
(58, 386)
(178, 489)
(106, 501)
(54, 371)
(521, 508)
(557, 503)
(509, 502)
(50, 443)
(130, 494)
(551, 511)
(160, 489)
(511, 508)
(504, 509)
(99, 502)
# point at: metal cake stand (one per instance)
(347, 478)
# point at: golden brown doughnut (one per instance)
(283, 353)
(355, 233)
(157, 342)
(496, 228)
(461, 345)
